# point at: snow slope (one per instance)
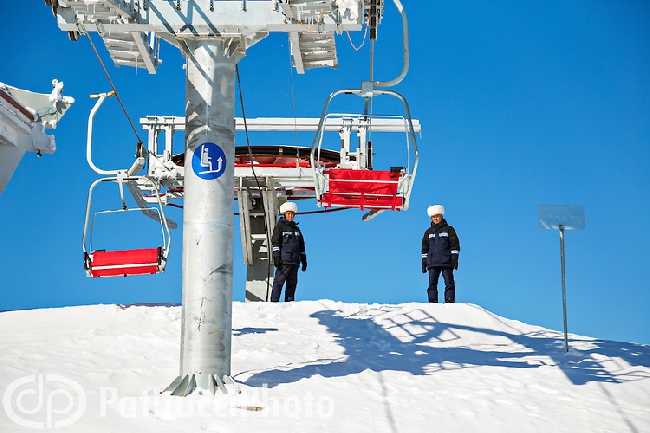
(319, 366)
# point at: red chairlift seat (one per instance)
(123, 263)
(364, 189)
(354, 183)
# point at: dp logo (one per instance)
(44, 401)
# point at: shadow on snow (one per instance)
(368, 345)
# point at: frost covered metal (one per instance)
(24, 117)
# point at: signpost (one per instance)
(562, 218)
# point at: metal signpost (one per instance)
(562, 218)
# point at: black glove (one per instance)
(454, 263)
(424, 266)
(277, 261)
(304, 263)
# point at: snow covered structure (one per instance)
(24, 117)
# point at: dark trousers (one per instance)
(288, 274)
(450, 284)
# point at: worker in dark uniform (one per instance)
(440, 248)
(288, 253)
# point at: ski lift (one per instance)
(354, 183)
(139, 261)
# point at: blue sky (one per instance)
(521, 104)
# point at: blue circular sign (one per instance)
(208, 161)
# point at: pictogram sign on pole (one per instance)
(552, 217)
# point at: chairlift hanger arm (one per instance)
(137, 165)
(405, 51)
(100, 100)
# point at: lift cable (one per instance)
(83, 31)
(243, 113)
(259, 187)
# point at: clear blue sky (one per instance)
(521, 104)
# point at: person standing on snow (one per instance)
(288, 253)
(440, 248)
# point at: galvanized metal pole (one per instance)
(566, 339)
(208, 217)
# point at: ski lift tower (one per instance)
(213, 36)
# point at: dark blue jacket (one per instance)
(439, 244)
(287, 242)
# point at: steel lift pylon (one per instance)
(213, 36)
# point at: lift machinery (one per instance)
(213, 36)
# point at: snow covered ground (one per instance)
(319, 366)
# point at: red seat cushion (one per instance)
(126, 262)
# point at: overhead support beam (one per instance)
(131, 29)
(227, 19)
(285, 124)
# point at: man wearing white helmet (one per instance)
(440, 248)
(288, 253)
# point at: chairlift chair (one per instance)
(354, 183)
(139, 261)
